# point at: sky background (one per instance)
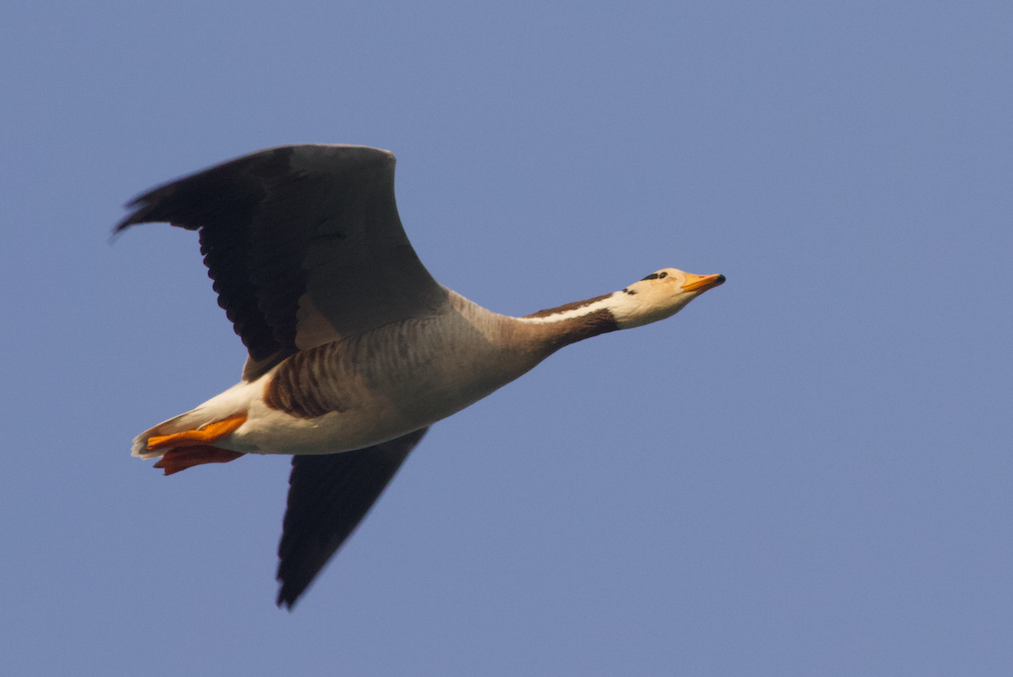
(806, 472)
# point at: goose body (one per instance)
(354, 349)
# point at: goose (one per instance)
(354, 350)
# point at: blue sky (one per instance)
(806, 472)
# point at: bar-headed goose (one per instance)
(353, 346)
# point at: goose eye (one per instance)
(661, 275)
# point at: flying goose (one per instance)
(353, 346)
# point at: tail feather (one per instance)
(191, 420)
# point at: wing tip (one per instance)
(286, 599)
(130, 220)
(292, 586)
(141, 208)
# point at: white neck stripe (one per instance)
(605, 303)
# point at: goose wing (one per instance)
(328, 496)
(304, 245)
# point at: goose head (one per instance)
(659, 295)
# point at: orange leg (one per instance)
(193, 447)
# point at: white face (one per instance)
(659, 295)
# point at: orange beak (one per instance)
(702, 283)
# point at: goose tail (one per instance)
(227, 408)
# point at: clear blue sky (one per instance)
(807, 472)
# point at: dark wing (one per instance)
(304, 245)
(327, 498)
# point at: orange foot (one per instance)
(182, 458)
(193, 447)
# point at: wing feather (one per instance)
(304, 244)
(328, 497)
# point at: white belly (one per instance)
(270, 431)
